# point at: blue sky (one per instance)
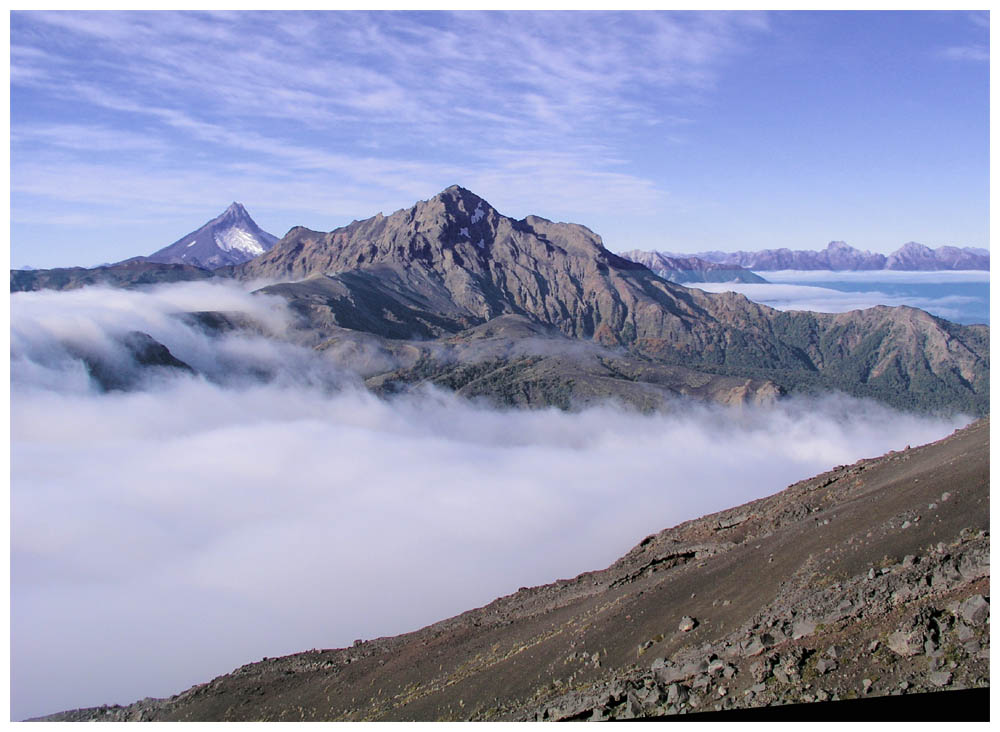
(675, 131)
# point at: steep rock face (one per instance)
(453, 262)
(230, 238)
(456, 247)
(687, 270)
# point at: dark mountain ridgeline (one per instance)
(135, 272)
(452, 263)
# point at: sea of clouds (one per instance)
(269, 504)
(961, 296)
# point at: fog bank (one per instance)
(166, 535)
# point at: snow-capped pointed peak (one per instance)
(232, 237)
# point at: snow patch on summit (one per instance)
(478, 214)
(238, 239)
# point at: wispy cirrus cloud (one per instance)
(396, 104)
(978, 50)
(975, 52)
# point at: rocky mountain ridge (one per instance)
(868, 580)
(839, 256)
(452, 263)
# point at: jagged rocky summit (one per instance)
(839, 256)
(869, 580)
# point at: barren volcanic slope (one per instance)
(871, 579)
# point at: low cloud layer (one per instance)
(169, 534)
(961, 296)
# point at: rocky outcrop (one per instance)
(138, 356)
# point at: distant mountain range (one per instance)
(232, 237)
(691, 269)
(840, 256)
(532, 312)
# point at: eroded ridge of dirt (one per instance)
(868, 580)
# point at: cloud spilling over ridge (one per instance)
(51, 330)
(166, 535)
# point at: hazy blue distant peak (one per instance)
(840, 256)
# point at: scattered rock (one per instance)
(752, 647)
(975, 610)
(802, 628)
(905, 643)
(825, 665)
(940, 678)
(687, 623)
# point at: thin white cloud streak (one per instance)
(538, 82)
(967, 53)
(882, 275)
(206, 525)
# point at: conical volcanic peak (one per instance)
(235, 211)
(230, 238)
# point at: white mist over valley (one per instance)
(268, 503)
(962, 296)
